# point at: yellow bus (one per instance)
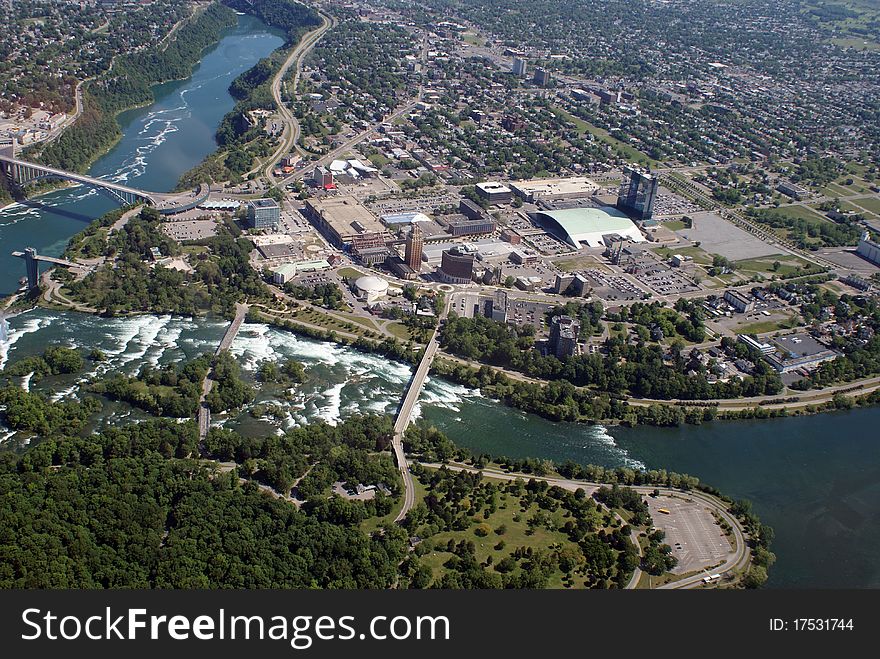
(664, 511)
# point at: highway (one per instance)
(291, 130)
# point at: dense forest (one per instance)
(222, 274)
(131, 508)
(128, 84)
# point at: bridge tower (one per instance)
(33, 268)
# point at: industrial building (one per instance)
(590, 226)
(572, 187)
(287, 272)
(638, 194)
(798, 352)
(456, 267)
(342, 219)
(323, 178)
(869, 249)
(264, 214)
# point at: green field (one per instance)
(473, 39)
(698, 254)
(869, 203)
(674, 225)
(855, 42)
(763, 326)
(788, 265)
(349, 273)
(800, 213)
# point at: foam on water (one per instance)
(29, 325)
(331, 410)
(603, 437)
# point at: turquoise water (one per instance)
(160, 142)
(816, 480)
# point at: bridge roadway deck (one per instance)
(404, 415)
(225, 343)
(79, 178)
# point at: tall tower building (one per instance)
(414, 243)
(637, 195)
(519, 67)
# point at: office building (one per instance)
(541, 77)
(471, 210)
(519, 67)
(739, 301)
(322, 177)
(456, 267)
(494, 193)
(564, 332)
(638, 193)
(465, 227)
(415, 242)
(264, 214)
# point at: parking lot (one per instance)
(190, 229)
(696, 540)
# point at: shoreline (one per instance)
(758, 412)
(100, 153)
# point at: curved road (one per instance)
(737, 560)
(290, 132)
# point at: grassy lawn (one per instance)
(698, 254)
(378, 160)
(517, 534)
(369, 323)
(473, 39)
(868, 203)
(800, 213)
(631, 153)
(674, 225)
(399, 330)
(854, 42)
(577, 263)
(764, 326)
(834, 190)
(787, 265)
(349, 273)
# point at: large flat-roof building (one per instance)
(798, 352)
(590, 226)
(572, 187)
(342, 219)
(869, 249)
(264, 214)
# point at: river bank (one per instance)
(160, 142)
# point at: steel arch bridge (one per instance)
(20, 173)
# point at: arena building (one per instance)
(590, 226)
